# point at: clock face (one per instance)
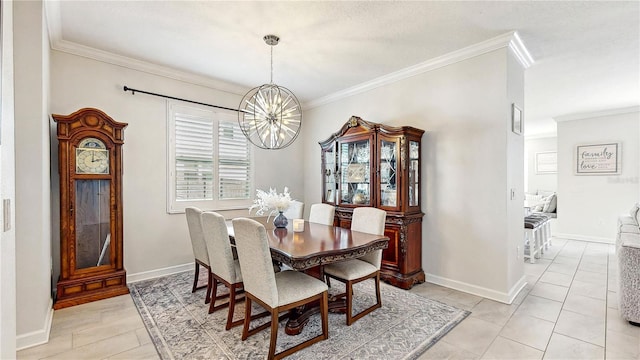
(92, 157)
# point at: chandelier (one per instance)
(270, 116)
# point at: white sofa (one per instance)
(628, 253)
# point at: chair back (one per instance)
(295, 210)
(369, 220)
(197, 236)
(216, 238)
(322, 214)
(255, 260)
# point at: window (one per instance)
(210, 161)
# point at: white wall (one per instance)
(465, 109)
(154, 241)
(590, 205)
(7, 189)
(535, 181)
(33, 218)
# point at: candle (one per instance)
(298, 225)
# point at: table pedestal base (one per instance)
(299, 317)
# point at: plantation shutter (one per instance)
(234, 162)
(193, 157)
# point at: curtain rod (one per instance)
(133, 91)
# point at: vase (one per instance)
(280, 221)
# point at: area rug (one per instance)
(181, 328)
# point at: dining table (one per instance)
(312, 248)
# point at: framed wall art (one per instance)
(547, 162)
(598, 159)
(516, 119)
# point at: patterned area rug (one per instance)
(180, 327)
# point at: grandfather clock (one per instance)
(90, 167)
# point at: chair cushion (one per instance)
(350, 269)
(295, 286)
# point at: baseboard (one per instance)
(37, 337)
(151, 274)
(502, 297)
(583, 238)
(515, 289)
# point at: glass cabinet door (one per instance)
(329, 176)
(388, 173)
(355, 172)
(414, 173)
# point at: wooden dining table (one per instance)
(309, 250)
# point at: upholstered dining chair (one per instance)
(199, 247)
(276, 292)
(368, 220)
(295, 210)
(322, 214)
(224, 268)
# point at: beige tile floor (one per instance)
(568, 310)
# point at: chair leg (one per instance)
(378, 297)
(232, 305)
(324, 312)
(195, 278)
(247, 318)
(207, 299)
(349, 292)
(274, 334)
(214, 293)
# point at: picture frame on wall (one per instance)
(598, 159)
(516, 119)
(546, 162)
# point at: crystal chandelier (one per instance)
(269, 115)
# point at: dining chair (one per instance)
(322, 214)
(199, 247)
(295, 210)
(224, 268)
(276, 292)
(350, 272)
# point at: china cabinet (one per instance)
(369, 164)
(90, 169)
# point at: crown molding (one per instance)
(510, 40)
(594, 114)
(52, 13)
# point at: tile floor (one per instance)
(568, 310)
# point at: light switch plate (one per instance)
(6, 214)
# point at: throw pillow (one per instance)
(538, 207)
(638, 214)
(550, 204)
(634, 211)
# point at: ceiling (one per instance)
(587, 53)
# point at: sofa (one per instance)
(542, 202)
(628, 254)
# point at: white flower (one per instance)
(270, 202)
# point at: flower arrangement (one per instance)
(271, 202)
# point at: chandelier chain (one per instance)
(271, 81)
